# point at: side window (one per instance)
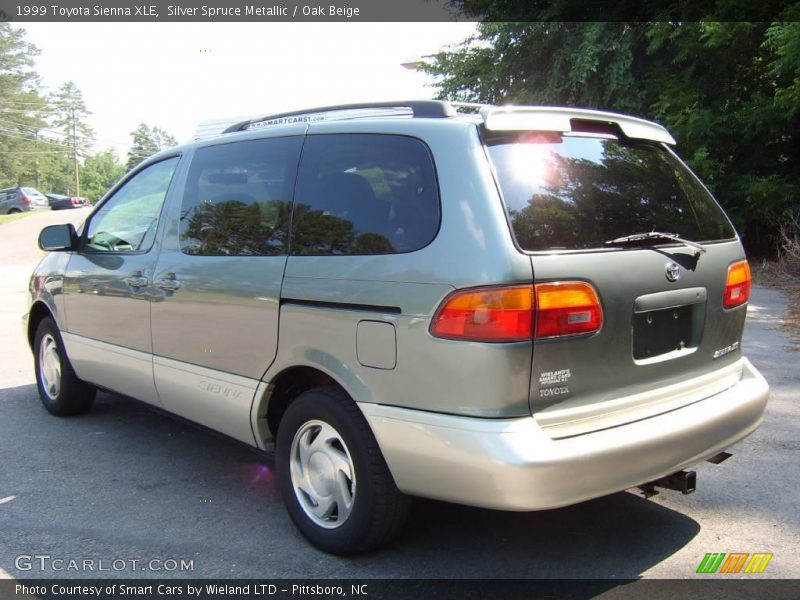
(127, 221)
(364, 194)
(238, 198)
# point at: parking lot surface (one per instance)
(128, 484)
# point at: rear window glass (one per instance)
(364, 194)
(571, 192)
(237, 200)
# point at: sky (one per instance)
(175, 75)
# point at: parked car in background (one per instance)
(21, 199)
(61, 202)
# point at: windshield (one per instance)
(575, 192)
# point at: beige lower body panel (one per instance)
(113, 367)
(218, 400)
(512, 464)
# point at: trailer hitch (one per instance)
(684, 482)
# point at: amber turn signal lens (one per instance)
(737, 285)
(566, 308)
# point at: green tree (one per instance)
(69, 114)
(729, 91)
(147, 141)
(100, 172)
(22, 147)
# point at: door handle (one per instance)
(136, 281)
(168, 283)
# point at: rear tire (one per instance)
(334, 480)
(60, 390)
(14, 211)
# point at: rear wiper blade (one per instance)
(655, 235)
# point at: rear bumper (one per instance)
(512, 464)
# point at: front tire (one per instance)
(333, 478)
(60, 390)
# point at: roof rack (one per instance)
(434, 109)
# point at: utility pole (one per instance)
(75, 153)
(36, 149)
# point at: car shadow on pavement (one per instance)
(134, 481)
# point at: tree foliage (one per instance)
(36, 133)
(100, 172)
(729, 91)
(147, 141)
(69, 115)
(22, 110)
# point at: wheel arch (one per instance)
(38, 312)
(283, 388)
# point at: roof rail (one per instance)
(476, 105)
(419, 109)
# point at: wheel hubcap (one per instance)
(49, 367)
(323, 476)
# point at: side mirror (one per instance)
(56, 238)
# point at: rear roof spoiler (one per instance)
(547, 118)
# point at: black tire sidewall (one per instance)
(320, 405)
(73, 396)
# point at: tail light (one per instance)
(26, 200)
(75, 201)
(518, 313)
(566, 308)
(496, 314)
(737, 284)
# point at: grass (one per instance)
(14, 217)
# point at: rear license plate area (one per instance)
(660, 332)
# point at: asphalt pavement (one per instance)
(128, 484)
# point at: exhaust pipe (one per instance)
(684, 482)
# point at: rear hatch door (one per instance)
(666, 338)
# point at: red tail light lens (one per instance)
(26, 199)
(519, 313)
(567, 308)
(498, 314)
(737, 285)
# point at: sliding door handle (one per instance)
(136, 281)
(168, 283)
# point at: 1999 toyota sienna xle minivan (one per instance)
(519, 309)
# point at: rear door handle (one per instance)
(168, 283)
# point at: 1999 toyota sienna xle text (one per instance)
(518, 309)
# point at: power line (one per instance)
(19, 102)
(16, 135)
(57, 132)
(30, 128)
(64, 151)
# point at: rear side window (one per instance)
(237, 200)
(364, 194)
(571, 192)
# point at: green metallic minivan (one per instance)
(516, 308)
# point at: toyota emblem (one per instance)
(673, 271)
